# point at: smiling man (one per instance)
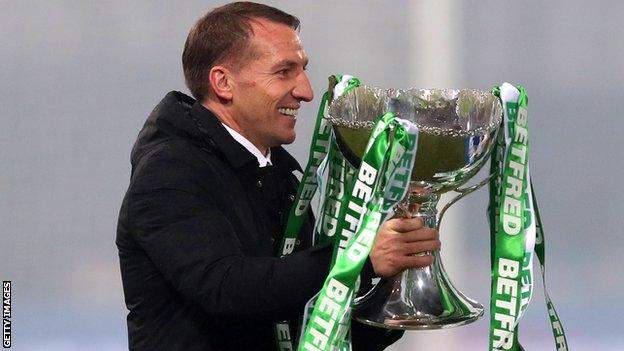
(200, 224)
(262, 90)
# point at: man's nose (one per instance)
(303, 89)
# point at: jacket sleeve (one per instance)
(193, 245)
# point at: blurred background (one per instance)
(78, 79)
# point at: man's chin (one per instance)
(288, 140)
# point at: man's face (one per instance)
(268, 88)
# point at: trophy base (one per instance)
(409, 322)
(417, 299)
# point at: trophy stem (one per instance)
(418, 298)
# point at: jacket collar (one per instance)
(220, 140)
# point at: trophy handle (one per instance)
(462, 192)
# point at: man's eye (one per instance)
(283, 72)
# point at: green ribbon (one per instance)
(514, 226)
(339, 176)
(561, 342)
(320, 146)
(381, 182)
(340, 173)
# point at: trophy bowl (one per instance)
(457, 131)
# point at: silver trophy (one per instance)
(458, 130)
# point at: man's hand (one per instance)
(396, 243)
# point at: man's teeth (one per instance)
(288, 111)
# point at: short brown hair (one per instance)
(222, 35)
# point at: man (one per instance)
(210, 189)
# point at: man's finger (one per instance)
(417, 247)
(404, 225)
(420, 235)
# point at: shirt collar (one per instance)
(263, 160)
(212, 132)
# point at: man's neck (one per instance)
(263, 159)
(224, 115)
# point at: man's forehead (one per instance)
(263, 25)
(274, 34)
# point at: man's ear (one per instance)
(221, 82)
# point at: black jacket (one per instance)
(197, 236)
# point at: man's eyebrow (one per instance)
(289, 63)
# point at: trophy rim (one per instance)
(493, 124)
(448, 105)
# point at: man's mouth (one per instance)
(288, 111)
